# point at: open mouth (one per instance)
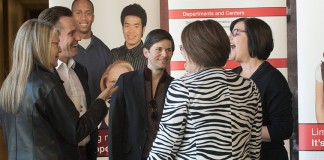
(83, 24)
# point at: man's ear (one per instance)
(143, 31)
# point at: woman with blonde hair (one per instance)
(109, 79)
(38, 118)
(113, 71)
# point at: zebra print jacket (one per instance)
(210, 114)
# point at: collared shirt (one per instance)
(95, 58)
(134, 56)
(73, 88)
(153, 125)
(85, 42)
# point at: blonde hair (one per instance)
(105, 75)
(31, 46)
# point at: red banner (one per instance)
(311, 137)
(277, 63)
(227, 12)
(103, 143)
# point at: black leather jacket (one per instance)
(47, 125)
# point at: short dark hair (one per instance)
(206, 43)
(53, 14)
(157, 35)
(260, 40)
(134, 10)
(91, 4)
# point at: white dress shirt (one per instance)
(73, 88)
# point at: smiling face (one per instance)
(68, 38)
(159, 55)
(83, 15)
(239, 43)
(55, 50)
(133, 31)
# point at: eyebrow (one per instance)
(80, 10)
(132, 24)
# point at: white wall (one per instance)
(107, 25)
(310, 48)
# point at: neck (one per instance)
(248, 68)
(85, 35)
(156, 76)
(130, 46)
(64, 59)
(192, 67)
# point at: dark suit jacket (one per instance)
(128, 117)
(82, 73)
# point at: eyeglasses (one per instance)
(236, 31)
(154, 115)
(181, 47)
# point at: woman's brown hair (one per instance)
(206, 43)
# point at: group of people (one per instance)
(64, 80)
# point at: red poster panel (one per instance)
(103, 144)
(311, 137)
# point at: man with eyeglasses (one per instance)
(136, 107)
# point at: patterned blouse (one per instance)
(210, 114)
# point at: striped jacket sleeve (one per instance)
(255, 141)
(173, 122)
